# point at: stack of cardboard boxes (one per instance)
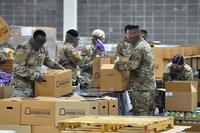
(31, 115)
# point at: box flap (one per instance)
(107, 66)
(181, 86)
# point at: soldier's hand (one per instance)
(40, 78)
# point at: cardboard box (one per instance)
(17, 128)
(187, 51)
(173, 52)
(158, 67)
(166, 53)
(97, 63)
(102, 106)
(47, 111)
(58, 83)
(38, 111)
(157, 52)
(10, 111)
(113, 80)
(195, 50)
(181, 95)
(112, 105)
(45, 129)
(180, 50)
(68, 108)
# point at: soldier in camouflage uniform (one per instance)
(89, 53)
(140, 65)
(123, 48)
(27, 65)
(69, 56)
(178, 70)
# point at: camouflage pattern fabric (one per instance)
(185, 74)
(140, 65)
(88, 53)
(69, 58)
(2, 53)
(143, 102)
(26, 69)
(123, 48)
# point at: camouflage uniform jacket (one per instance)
(26, 68)
(140, 65)
(2, 53)
(185, 74)
(123, 48)
(69, 58)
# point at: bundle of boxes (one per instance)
(31, 115)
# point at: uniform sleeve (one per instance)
(133, 62)
(166, 74)
(189, 75)
(51, 63)
(85, 63)
(74, 55)
(20, 67)
(117, 51)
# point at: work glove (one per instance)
(40, 78)
(100, 45)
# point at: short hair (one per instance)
(144, 31)
(136, 27)
(126, 28)
(178, 59)
(73, 32)
(39, 33)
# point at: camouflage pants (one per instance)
(143, 102)
(21, 88)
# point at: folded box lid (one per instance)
(181, 86)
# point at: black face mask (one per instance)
(134, 40)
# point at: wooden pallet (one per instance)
(119, 124)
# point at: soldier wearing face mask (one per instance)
(69, 56)
(140, 65)
(178, 70)
(29, 59)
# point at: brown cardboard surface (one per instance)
(67, 108)
(97, 63)
(166, 53)
(113, 80)
(103, 106)
(187, 51)
(45, 129)
(10, 111)
(112, 105)
(181, 96)
(38, 111)
(157, 52)
(173, 52)
(17, 128)
(58, 83)
(158, 67)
